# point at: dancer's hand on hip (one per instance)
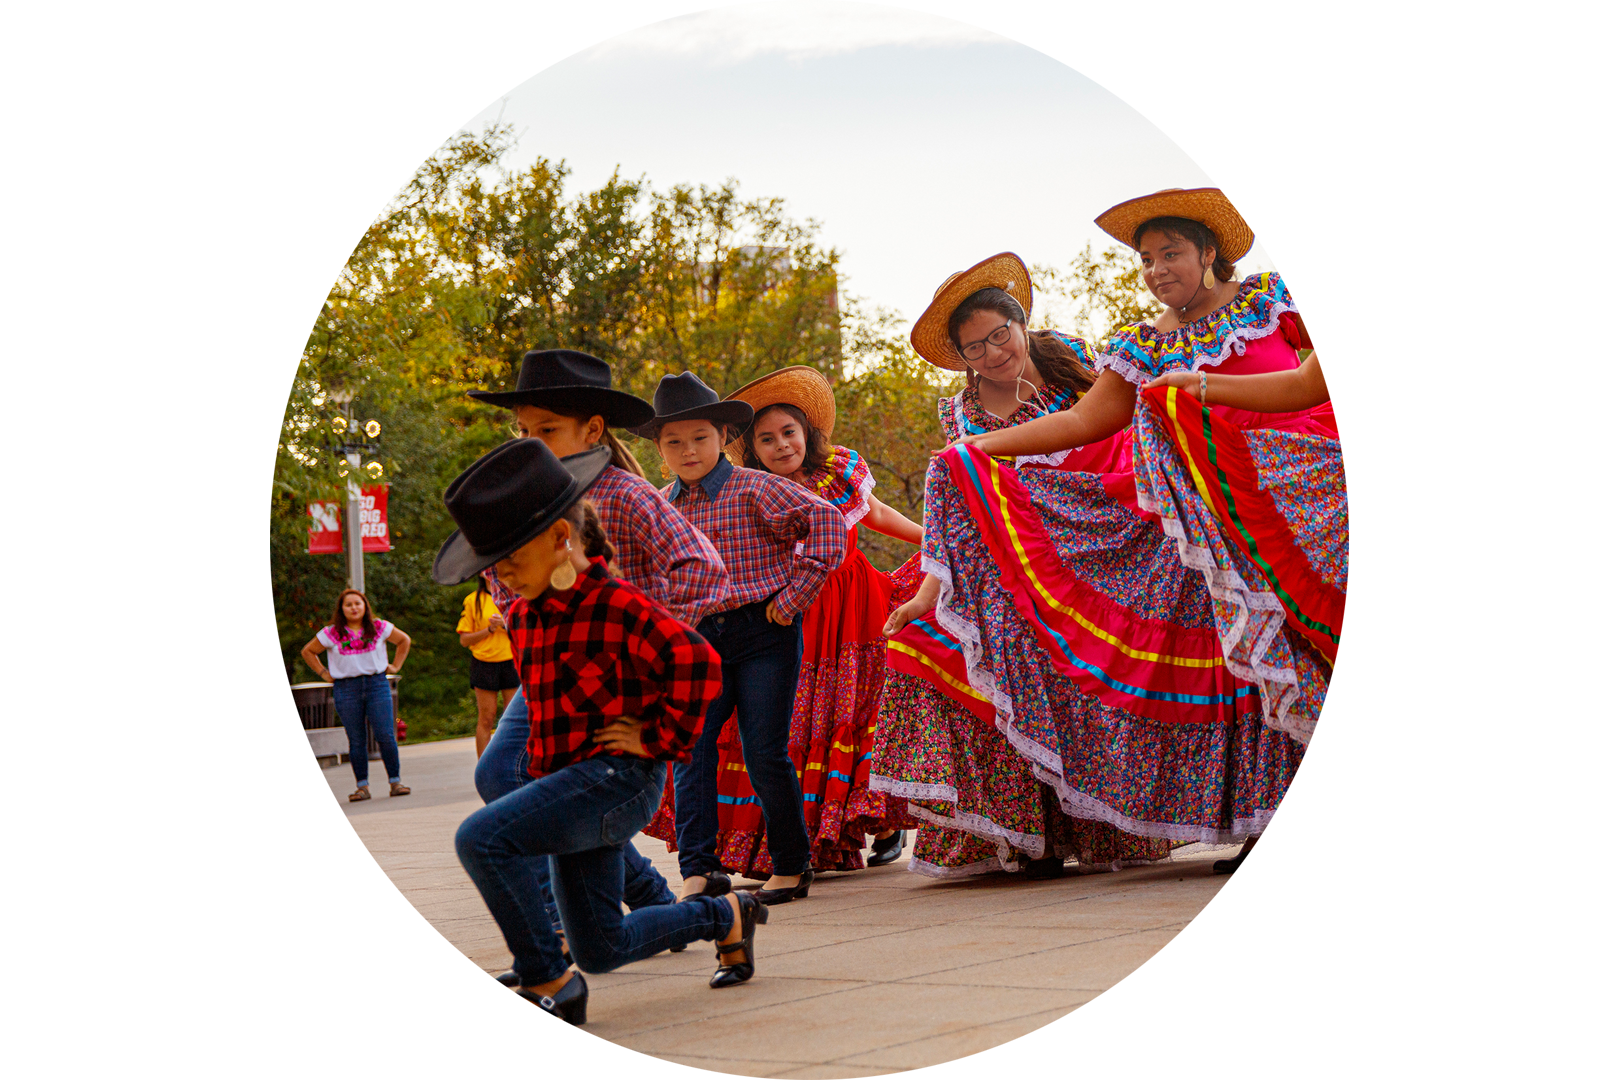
(777, 615)
(623, 735)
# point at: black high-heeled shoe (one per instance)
(792, 892)
(1043, 869)
(1227, 866)
(752, 913)
(887, 850)
(716, 883)
(566, 1004)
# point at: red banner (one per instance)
(374, 518)
(326, 528)
(326, 523)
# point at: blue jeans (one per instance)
(581, 816)
(363, 699)
(505, 767)
(759, 670)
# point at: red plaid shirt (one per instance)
(776, 537)
(659, 551)
(600, 651)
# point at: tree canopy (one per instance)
(473, 264)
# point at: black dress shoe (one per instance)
(1043, 869)
(792, 892)
(730, 973)
(717, 883)
(508, 978)
(566, 1004)
(885, 852)
(1226, 866)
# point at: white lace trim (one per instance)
(1258, 611)
(905, 790)
(853, 516)
(947, 873)
(1236, 341)
(1054, 459)
(1045, 764)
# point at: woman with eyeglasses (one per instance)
(1240, 463)
(981, 687)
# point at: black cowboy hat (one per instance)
(507, 498)
(571, 379)
(685, 397)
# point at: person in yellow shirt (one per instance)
(494, 676)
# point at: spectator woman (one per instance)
(358, 671)
(483, 630)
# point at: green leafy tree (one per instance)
(473, 264)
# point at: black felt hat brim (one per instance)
(458, 562)
(739, 414)
(616, 408)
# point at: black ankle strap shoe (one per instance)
(731, 970)
(566, 1004)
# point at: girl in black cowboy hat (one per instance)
(565, 398)
(617, 688)
(779, 542)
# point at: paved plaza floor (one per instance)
(878, 971)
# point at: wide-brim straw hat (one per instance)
(931, 336)
(1207, 206)
(798, 385)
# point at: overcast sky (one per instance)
(921, 145)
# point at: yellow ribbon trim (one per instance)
(955, 683)
(1053, 602)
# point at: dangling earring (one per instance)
(564, 576)
(663, 470)
(1209, 277)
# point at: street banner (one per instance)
(326, 523)
(374, 519)
(326, 528)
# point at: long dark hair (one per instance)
(1196, 233)
(340, 622)
(816, 447)
(1054, 360)
(622, 457)
(592, 537)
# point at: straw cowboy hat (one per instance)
(931, 338)
(1207, 206)
(568, 379)
(798, 385)
(687, 397)
(493, 503)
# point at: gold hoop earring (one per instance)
(1209, 277)
(564, 576)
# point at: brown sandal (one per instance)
(359, 794)
(398, 789)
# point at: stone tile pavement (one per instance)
(878, 971)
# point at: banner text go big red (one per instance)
(326, 523)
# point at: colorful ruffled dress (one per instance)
(1070, 685)
(841, 680)
(1255, 502)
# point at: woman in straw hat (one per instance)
(842, 674)
(1188, 242)
(982, 700)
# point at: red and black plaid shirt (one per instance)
(776, 537)
(600, 651)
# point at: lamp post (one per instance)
(349, 446)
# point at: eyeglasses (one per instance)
(974, 350)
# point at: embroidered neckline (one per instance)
(1141, 352)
